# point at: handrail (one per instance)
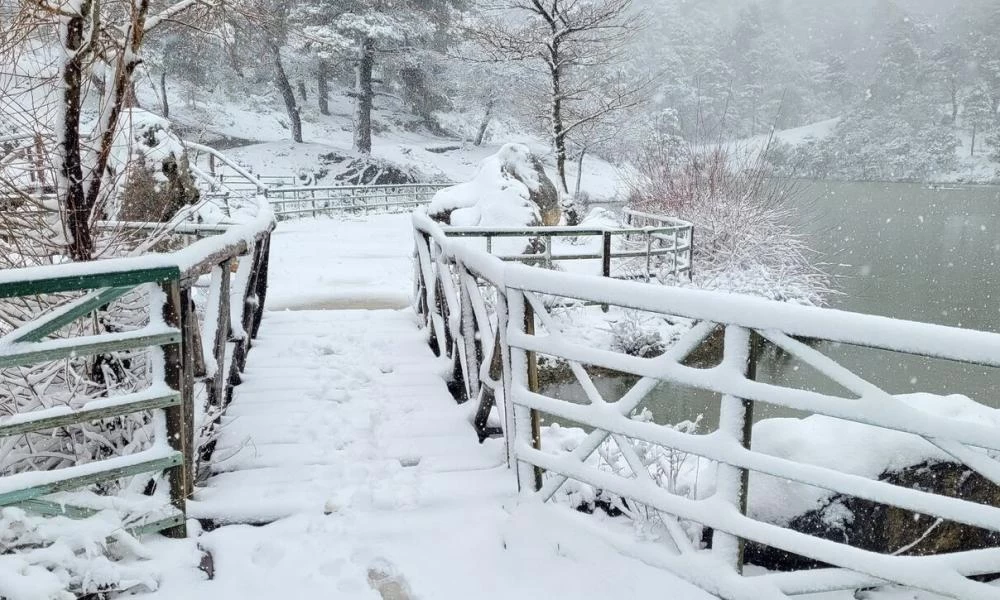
(228, 162)
(494, 347)
(210, 356)
(289, 202)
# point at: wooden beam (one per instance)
(84, 346)
(71, 481)
(63, 316)
(85, 416)
(173, 376)
(71, 283)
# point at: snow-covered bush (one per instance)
(63, 559)
(743, 219)
(157, 178)
(677, 472)
(635, 336)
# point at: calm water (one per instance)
(901, 250)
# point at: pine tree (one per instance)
(977, 114)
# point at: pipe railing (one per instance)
(291, 202)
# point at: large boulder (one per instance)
(902, 459)
(511, 189)
(890, 530)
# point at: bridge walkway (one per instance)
(345, 468)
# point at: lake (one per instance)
(908, 251)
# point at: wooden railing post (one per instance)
(468, 324)
(735, 422)
(189, 326)
(217, 385)
(691, 253)
(176, 420)
(260, 287)
(524, 372)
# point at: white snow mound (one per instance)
(498, 196)
(847, 447)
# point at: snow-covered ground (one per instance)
(341, 263)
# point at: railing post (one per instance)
(606, 260)
(189, 347)
(674, 254)
(691, 253)
(217, 385)
(524, 370)
(649, 255)
(735, 422)
(176, 421)
(260, 282)
(471, 375)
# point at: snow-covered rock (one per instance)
(895, 457)
(510, 190)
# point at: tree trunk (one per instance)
(163, 95)
(579, 173)
(70, 186)
(131, 99)
(558, 129)
(287, 94)
(364, 96)
(484, 125)
(323, 86)
(954, 101)
(558, 132)
(303, 94)
(972, 149)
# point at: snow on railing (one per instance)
(293, 202)
(493, 319)
(202, 305)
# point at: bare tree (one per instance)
(576, 43)
(101, 44)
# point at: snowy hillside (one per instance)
(254, 130)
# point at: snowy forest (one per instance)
(440, 299)
(884, 90)
(914, 86)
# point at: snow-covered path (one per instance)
(346, 470)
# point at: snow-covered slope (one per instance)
(254, 130)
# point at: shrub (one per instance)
(743, 217)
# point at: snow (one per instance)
(344, 439)
(261, 123)
(498, 196)
(345, 443)
(332, 263)
(848, 447)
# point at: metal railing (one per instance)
(494, 319)
(644, 252)
(292, 202)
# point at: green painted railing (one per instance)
(232, 260)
